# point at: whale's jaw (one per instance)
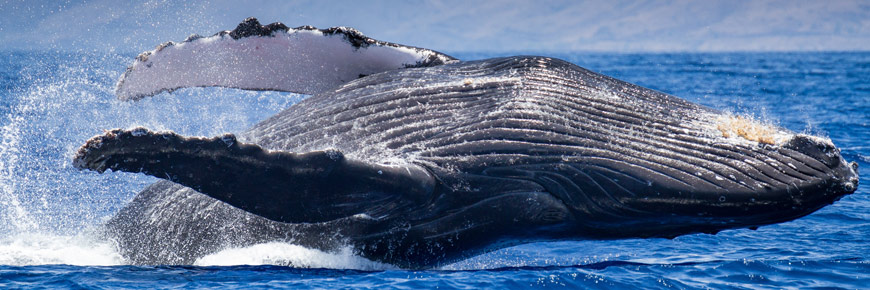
(711, 212)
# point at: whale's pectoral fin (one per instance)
(269, 57)
(288, 187)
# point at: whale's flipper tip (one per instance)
(314, 186)
(253, 56)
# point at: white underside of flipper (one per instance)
(302, 60)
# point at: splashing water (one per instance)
(48, 208)
(34, 248)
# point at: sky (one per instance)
(456, 26)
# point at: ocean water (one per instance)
(51, 102)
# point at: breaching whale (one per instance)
(416, 159)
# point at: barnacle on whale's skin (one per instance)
(746, 128)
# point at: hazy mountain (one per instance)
(614, 25)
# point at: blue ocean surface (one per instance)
(51, 102)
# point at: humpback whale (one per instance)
(414, 158)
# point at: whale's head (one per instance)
(821, 176)
(780, 183)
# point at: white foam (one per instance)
(285, 254)
(85, 250)
(41, 249)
